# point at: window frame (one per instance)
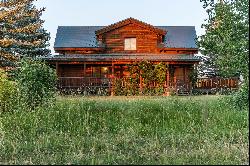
(130, 41)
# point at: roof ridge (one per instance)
(81, 26)
(128, 21)
(106, 26)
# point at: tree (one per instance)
(21, 32)
(227, 36)
(226, 42)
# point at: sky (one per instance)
(106, 12)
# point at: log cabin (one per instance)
(93, 56)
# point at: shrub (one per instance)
(240, 99)
(36, 83)
(118, 89)
(153, 79)
(8, 92)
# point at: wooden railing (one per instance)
(90, 83)
(215, 83)
(77, 82)
(176, 85)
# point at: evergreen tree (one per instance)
(21, 31)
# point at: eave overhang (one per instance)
(123, 57)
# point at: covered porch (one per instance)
(97, 75)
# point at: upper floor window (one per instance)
(130, 44)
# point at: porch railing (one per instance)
(175, 85)
(76, 82)
(215, 83)
(90, 83)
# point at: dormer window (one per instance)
(130, 44)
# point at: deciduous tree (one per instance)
(226, 41)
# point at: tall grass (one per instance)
(126, 130)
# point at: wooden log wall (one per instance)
(146, 40)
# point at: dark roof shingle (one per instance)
(84, 36)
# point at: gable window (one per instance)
(130, 44)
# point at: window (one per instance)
(130, 44)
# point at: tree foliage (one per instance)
(21, 31)
(8, 93)
(226, 42)
(153, 77)
(36, 83)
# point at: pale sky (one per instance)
(106, 12)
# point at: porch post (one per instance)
(168, 78)
(121, 71)
(57, 69)
(84, 69)
(113, 77)
(175, 81)
(185, 79)
(167, 83)
(84, 77)
(57, 74)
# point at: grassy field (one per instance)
(127, 130)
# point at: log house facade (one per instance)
(96, 55)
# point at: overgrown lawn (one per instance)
(127, 130)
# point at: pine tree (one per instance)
(21, 31)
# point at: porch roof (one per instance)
(123, 57)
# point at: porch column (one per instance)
(57, 74)
(175, 81)
(113, 77)
(168, 78)
(167, 83)
(121, 71)
(184, 73)
(185, 79)
(84, 77)
(84, 69)
(57, 69)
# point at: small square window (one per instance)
(130, 44)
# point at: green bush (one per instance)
(36, 83)
(118, 89)
(150, 74)
(8, 93)
(240, 99)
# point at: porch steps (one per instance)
(183, 93)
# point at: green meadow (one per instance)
(127, 130)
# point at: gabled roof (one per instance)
(180, 37)
(76, 36)
(85, 37)
(129, 21)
